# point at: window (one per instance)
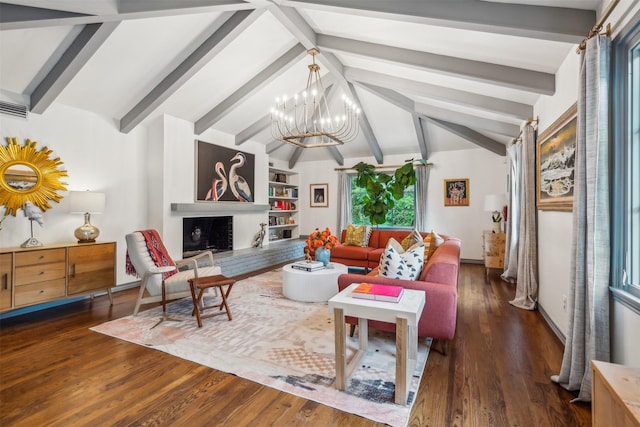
(625, 257)
(402, 214)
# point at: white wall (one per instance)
(97, 157)
(555, 228)
(486, 172)
(172, 180)
(142, 173)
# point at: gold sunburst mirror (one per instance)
(29, 175)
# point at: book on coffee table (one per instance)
(378, 292)
(308, 265)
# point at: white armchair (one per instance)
(177, 285)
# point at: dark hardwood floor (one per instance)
(55, 371)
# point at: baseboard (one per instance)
(552, 325)
(471, 261)
(52, 304)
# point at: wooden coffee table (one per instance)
(404, 313)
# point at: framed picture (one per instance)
(456, 192)
(319, 195)
(555, 163)
(224, 174)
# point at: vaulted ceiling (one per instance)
(429, 75)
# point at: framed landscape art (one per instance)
(456, 192)
(224, 174)
(555, 163)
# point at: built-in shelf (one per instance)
(282, 184)
(283, 200)
(214, 207)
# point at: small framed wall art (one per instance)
(319, 195)
(456, 192)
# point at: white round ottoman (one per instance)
(314, 286)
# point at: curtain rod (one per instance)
(345, 168)
(529, 121)
(597, 27)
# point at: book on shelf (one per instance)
(308, 265)
(282, 205)
(378, 292)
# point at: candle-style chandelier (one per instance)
(305, 119)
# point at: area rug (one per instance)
(283, 344)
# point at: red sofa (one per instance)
(367, 257)
(439, 280)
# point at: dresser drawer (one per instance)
(40, 257)
(39, 273)
(6, 280)
(39, 292)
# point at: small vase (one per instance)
(323, 255)
(497, 227)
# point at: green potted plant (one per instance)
(383, 189)
(496, 217)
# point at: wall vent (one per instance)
(13, 109)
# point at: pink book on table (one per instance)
(378, 292)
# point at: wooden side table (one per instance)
(202, 284)
(405, 314)
(615, 395)
(493, 250)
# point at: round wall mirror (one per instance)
(28, 174)
(20, 177)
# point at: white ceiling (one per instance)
(475, 66)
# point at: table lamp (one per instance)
(494, 203)
(86, 202)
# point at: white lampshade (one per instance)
(86, 202)
(494, 202)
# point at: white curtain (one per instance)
(588, 333)
(527, 275)
(344, 200)
(514, 153)
(422, 183)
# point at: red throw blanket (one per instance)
(157, 251)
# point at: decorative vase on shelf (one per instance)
(323, 255)
(497, 227)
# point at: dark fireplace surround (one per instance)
(210, 233)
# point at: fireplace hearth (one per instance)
(201, 234)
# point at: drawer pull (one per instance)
(5, 280)
(41, 256)
(73, 270)
(41, 291)
(41, 273)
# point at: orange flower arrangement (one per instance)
(319, 239)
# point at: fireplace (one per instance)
(209, 233)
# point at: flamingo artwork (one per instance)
(218, 186)
(239, 186)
